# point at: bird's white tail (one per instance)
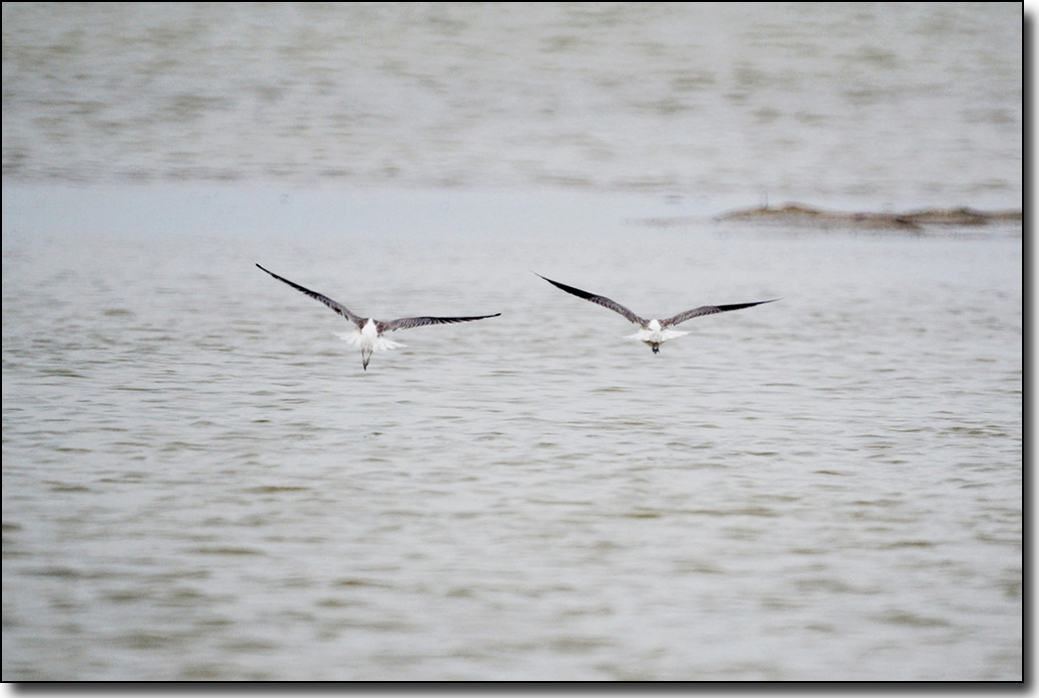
(356, 339)
(660, 336)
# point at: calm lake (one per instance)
(201, 482)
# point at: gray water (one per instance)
(899, 104)
(201, 482)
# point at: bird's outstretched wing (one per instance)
(408, 322)
(338, 307)
(601, 300)
(708, 310)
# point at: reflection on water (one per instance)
(200, 482)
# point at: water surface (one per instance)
(201, 482)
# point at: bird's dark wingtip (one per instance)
(556, 283)
(569, 289)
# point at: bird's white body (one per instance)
(653, 334)
(368, 340)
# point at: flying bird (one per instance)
(367, 333)
(653, 332)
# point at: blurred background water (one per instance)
(200, 482)
(896, 103)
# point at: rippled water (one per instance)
(882, 103)
(201, 482)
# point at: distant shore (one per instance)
(909, 221)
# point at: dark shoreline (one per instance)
(911, 220)
(916, 221)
